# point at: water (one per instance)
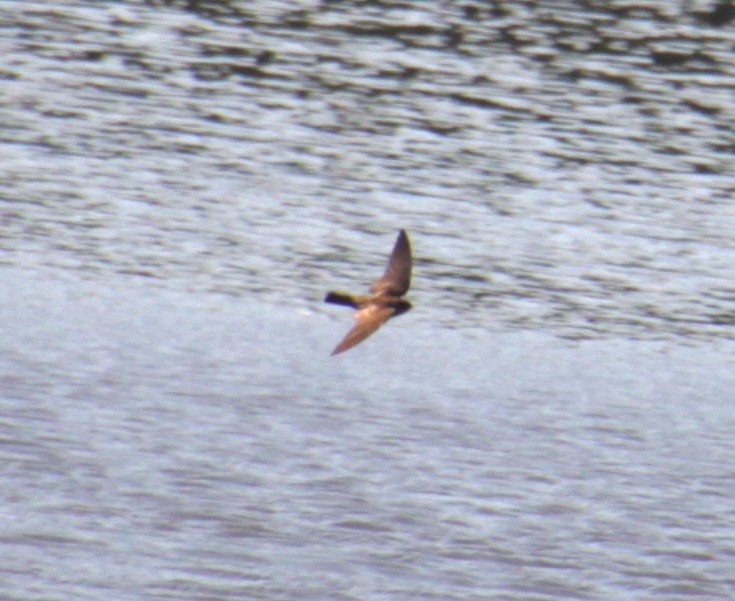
(182, 185)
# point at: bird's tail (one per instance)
(341, 298)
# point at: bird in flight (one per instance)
(385, 299)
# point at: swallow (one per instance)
(384, 300)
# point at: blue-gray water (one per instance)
(182, 182)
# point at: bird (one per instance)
(385, 300)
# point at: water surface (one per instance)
(183, 181)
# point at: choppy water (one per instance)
(181, 182)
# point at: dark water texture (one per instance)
(566, 166)
(182, 181)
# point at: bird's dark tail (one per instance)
(340, 298)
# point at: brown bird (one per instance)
(384, 302)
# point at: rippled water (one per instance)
(182, 181)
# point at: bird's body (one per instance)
(385, 301)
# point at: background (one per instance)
(181, 182)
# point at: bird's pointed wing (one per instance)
(397, 276)
(368, 320)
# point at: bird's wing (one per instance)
(397, 276)
(368, 320)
